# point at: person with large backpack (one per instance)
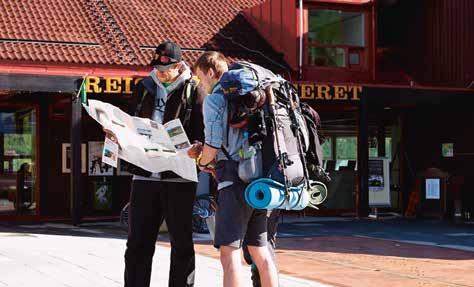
(237, 223)
(262, 139)
(169, 92)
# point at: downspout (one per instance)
(374, 38)
(300, 64)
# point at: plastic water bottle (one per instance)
(246, 151)
(250, 163)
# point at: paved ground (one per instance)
(364, 253)
(311, 252)
(425, 232)
(61, 255)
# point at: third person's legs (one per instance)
(265, 265)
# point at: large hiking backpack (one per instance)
(280, 135)
(266, 106)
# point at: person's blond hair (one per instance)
(211, 60)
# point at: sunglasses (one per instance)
(164, 68)
(163, 63)
(162, 59)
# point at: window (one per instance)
(388, 148)
(346, 148)
(335, 38)
(374, 152)
(327, 148)
(345, 153)
(17, 170)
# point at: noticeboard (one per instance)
(379, 182)
(432, 188)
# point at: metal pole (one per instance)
(381, 140)
(76, 194)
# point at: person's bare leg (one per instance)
(230, 260)
(266, 267)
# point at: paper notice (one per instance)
(177, 134)
(110, 153)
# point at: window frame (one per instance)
(37, 153)
(363, 52)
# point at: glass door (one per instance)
(18, 167)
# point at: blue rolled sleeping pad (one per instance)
(265, 193)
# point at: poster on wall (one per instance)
(447, 149)
(433, 188)
(102, 195)
(376, 180)
(379, 182)
(96, 166)
(66, 158)
(18, 144)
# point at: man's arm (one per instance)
(213, 112)
(207, 156)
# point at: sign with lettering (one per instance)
(307, 91)
(324, 92)
(110, 85)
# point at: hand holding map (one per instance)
(145, 143)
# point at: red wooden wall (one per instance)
(277, 22)
(439, 47)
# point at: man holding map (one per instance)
(168, 93)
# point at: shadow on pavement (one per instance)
(97, 230)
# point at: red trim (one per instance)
(386, 86)
(71, 70)
(352, 2)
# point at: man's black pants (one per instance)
(150, 203)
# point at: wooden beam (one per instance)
(38, 83)
(76, 126)
(362, 203)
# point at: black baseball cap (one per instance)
(166, 55)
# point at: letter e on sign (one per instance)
(340, 93)
(112, 85)
(307, 92)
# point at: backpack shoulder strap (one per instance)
(149, 85)
(226, 153)
(190, 95)
(141, 92)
